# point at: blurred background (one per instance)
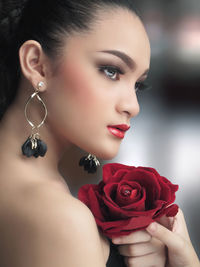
(166, 133)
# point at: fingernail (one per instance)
(152, 227)
(116, 240)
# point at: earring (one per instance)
(90, 163)
(34, 146)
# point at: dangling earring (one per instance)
(34, 146)
(90, 163)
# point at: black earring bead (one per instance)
(34, 147)
(27, 148)
(90, 163)
(82, 161)
(42, 148)
(90, 166)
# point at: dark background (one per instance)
(166, 133)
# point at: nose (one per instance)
(128, 103)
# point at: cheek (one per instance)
(81, 108)
(77, 99)
(78, 86)
(86, 93)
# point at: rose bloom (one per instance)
(129, 198)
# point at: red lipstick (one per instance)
(118, 130)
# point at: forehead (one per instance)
(115, 29)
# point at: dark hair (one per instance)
(45, 21)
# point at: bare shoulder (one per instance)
(49, 227)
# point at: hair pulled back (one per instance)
(45, 21)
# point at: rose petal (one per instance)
(148, 181)
(95, 206)
(167, 189)
(83, 194)
(170, 211)
(138, 205)
(110, 169)
(108, 225)
(110, 193)
(119, 228)
(123, 200)
(116, 213)
(88, 196)
(119, 214)
(125, 195)
(136, 222)
(149, 170)
(118, 176)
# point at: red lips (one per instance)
(118, 130)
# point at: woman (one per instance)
(80, 62)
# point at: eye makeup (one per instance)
(124, 57)
(112, 72)
(141, 86)
(113, 69)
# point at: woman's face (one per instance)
(93, 89)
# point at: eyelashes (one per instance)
(141, 86)
(113, 73)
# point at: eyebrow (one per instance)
(124, 57)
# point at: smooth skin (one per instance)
(180, 250)
(171, 233)
(42, 224)
(47, 227)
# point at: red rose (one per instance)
(128, 199)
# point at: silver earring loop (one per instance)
(45, 109)
(34, 146)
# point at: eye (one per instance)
(111, 72)
(140, 86)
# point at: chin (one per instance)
(102, 150)
(106, 154)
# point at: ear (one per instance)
(33, 63)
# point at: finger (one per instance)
(176, 224)
(167, 221)
(141, 249)
(135, 237)
(156, 260)
(179, 226)
(180, 251)
(173, 241)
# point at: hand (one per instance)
(140, 249)
(180, 250)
